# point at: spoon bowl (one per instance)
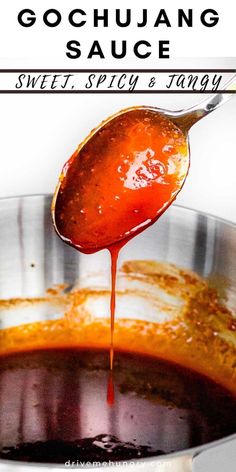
(120, 179)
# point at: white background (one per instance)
(39, 132)
(39, 42)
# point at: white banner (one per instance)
(114, 81)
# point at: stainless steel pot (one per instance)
(32, 259)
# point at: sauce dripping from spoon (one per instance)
(117, 183)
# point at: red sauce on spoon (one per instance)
(118, 182)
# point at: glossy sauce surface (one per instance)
(53, 407)
(120, 179)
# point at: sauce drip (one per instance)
(114, 253)
(110, 388)
(117, 183)
(114, 256)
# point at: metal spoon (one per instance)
(185, 119)
(107, 194)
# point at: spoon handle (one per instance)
(187, 118)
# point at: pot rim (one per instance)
(175, 205)
(189, 453)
